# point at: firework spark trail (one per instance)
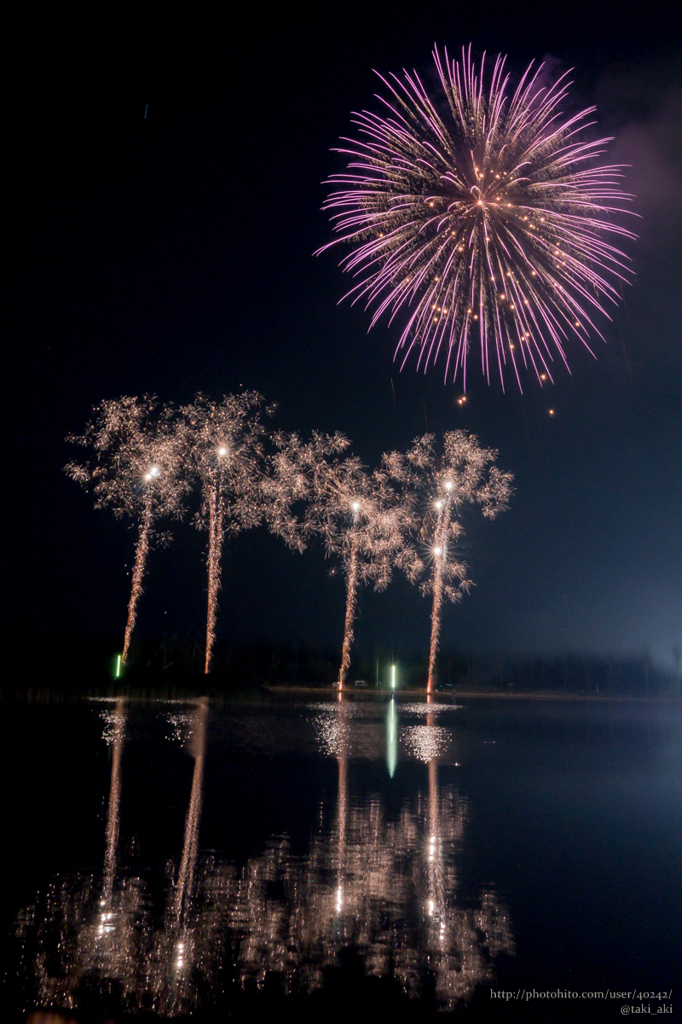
(446, 476)
(141, 553)
(480, 214)
(445, 572)
(215, 551)
(440, 554)
(136, 467)
(224, 441)
(351, 609)
(362, 518)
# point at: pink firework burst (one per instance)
(479, 216)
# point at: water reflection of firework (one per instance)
(354, 888)
(383, 885)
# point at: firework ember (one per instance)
(136, 468)
(478, 215)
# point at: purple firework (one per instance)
(479, 215)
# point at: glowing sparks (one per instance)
(465, 473)
(145, 459)
(362, 518)
(231, 494)
(137, 468)
(366, 546)
(445, 195)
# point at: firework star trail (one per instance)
(479, 216)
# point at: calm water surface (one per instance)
(344, 861)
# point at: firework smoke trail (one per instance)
(480, 214)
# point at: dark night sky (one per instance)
(173, 254)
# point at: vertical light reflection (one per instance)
(184, 938)
(435, 883)
(341, 816)
(383, 884)
(183, 887)
(119, 718)
(391, 737)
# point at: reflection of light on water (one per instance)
(114, 733)
(333, 734)
(106, 923)
(333, 726)
(391, 738)
(348, 709)
(180, 727)
(360, 883)
(298, 934)
(112, 724)
(425, 742)
(413, 708)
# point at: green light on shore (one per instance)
(117, 674)
(393, 677)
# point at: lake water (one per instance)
(345, 861)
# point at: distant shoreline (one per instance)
(467, 694)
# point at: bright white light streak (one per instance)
(391, 738)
